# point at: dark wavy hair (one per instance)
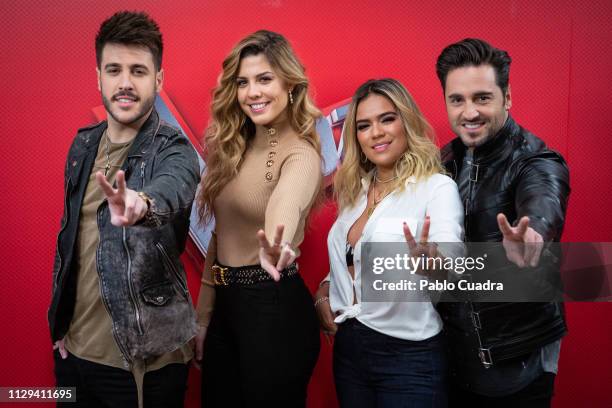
(474, 52)
(130, 28)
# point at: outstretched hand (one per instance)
(126, 207)
(523, 245)
(276, 257)
(423, 247)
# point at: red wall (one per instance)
(560, 80)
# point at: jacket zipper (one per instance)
(177, 276)
(63, 227)
(130, 285)
(142, 173)
(122, 348)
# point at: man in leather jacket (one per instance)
(515, 191)
(121, 316)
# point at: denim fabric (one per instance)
(142, 281)
(372, 369)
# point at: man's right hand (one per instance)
(199, 347)
(62, 350)
(324, 312)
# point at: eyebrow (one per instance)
(116, 65)
(377, 116)
(476, 94)
(258, 75)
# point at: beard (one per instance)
(145, 107)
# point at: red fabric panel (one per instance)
(560, 81)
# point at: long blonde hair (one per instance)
(422, 156)
(230, 130)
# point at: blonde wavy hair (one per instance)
(231, 129)
(422, 156)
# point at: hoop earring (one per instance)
(290, 98)
(362, 157)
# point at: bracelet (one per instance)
(321, 300)
(149, 218)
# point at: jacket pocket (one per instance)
(158, 294)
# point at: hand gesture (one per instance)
(423, 247)
(126, 207)
(199, 347)
(324, 312)
(276, 257)
(515, 239)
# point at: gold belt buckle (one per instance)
(218, 275)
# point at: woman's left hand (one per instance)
(276, 257)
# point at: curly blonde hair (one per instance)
(231, 129)
(421, 159)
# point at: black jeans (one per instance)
(261, 346)
(102, 386)
(538, 394)
(372, 369)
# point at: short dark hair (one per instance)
(130, 28)
(474, 52)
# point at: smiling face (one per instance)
(476, 106)
(128, 82)
(262, 94)
(380, 132)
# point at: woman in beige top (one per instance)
(258, 340)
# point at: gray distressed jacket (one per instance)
(142, 280)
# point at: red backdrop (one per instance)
(560, 80)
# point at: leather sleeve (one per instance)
(542, 193)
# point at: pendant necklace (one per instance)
(109, 165)
(376, 201)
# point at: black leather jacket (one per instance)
(516, 174)
(142, 281)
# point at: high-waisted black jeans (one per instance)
(374, 370)
(261, 346)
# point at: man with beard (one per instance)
(121, 316)
(515, 191)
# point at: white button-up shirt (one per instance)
(437, 197)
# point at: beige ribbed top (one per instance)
(276, 184)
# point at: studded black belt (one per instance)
(246, 275)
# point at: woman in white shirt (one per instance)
(389, 188)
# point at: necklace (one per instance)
(109, 165)
(384, 181)
(376, 201)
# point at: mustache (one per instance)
(124, 93)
